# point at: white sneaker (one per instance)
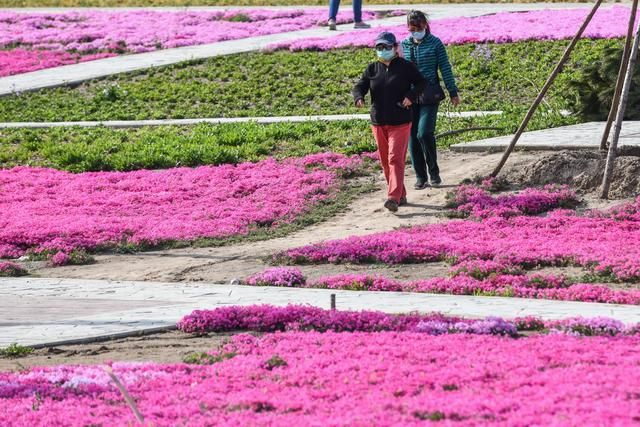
(332, 24)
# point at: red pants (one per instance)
(392, 144)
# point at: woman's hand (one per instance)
(406, 103)
(455, 101)
(360, 103)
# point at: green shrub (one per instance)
(593, 87)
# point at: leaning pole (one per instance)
(620, 80)
(545, 88)
(613, 147)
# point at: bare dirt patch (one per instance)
(169, 347)
(581, 170)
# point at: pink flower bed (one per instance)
(463, 282)
(46, 40)
(10, 269)
(51, 210)
(474, 201)
(503, 27)
(268, 318)
(18, 61)
(605, 242)
(387, 378)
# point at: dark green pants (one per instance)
(422, 143)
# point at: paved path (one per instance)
(184, 122)
(576, 137)
(77, 73)
(36, 311)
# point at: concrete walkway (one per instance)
(37, 311)
(585, 136)
(185, 122)
(78, 73)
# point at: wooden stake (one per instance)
(125, 394)
(613, 148)
(624, 65)
(545, 88)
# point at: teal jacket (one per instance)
(431, 55)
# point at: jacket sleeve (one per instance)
(417, 80)
(445, 69)
(362, 87)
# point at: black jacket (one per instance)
(389, 86)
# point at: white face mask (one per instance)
(418, 35)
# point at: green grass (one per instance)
(282, 83)
(103, 149)
(15, 351)
(122, 3)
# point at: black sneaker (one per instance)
(392, 205)
(420, 185)
(436, 181)
(403, 201)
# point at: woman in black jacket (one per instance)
(394, 84)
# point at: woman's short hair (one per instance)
(416, 17)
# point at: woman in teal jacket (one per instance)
(429, 54)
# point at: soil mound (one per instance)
(582, 170)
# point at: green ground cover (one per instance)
(304, 83)
(95, 149)
(124, 3)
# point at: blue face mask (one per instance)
(419, 35)
(386, 55)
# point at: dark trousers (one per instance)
(422, 143)
(357, 9)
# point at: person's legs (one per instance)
(426, 135)
(416, 149)
(357, 11)
(398, 137)
(380, 135)
(333, 9)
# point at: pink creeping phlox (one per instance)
(17, 61)
(268, 318)
(607, 243)
(45, 40)
(50, 210)
(388, 378)
(494, 280)
(476, 202)
(502, 27)
(11, 269)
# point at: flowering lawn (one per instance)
(605, 242)
(33, 41)
(49, 210)
(361, 378)
(480, 278)
(503, 27)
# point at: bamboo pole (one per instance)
(125, 394)
(545, 88)
(621, 77)
(613, 148)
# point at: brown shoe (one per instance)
(392, 205)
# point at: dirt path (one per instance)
(365, 216)
(169, 347)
